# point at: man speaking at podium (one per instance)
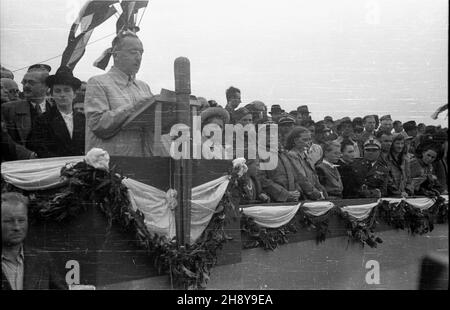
(113, 97)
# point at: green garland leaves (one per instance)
(401, 216)
(188, 266)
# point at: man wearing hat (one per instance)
(20, 116)
(285, 125)
(60, 132)
(302, 114)
(113, 97)
(368, 176)
(410, 128)
(386, 124)
(345, 131)
(276, 112)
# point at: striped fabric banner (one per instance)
(93, 14)
(129, 12)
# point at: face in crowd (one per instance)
(348, 153)
(346, 130)
(14, 223)
(371, 153)
(429, 156)
(285, 129)
(369, 124)
(386, 125)
(128, 55)
(9, 90)
(34, 86)
(235, 100)
(333, 154)
(398, 127)
(304, 141)
(78, 107)
(247, 119)
(398, 146)
(386, 142)
(63, 96)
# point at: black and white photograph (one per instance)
(241, 147)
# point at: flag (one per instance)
(93, 14)
(127, 19)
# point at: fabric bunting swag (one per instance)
(157, 206)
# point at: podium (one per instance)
(157, 116)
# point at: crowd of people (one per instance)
(59, 115)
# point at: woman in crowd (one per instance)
(422, 173)
(328, 172)
(399, 180)
(298, 143)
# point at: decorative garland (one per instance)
(270, 238)
(189, 267)
(362, 231)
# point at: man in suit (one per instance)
(20, 116)
(23, 268)
(113, 97)
(60, 132)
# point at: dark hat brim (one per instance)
(63, 80)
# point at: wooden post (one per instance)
(183, 167)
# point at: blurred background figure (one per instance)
(398, 126)
(203, 104)
(276, 112)
(258, 110)
(303, 114)
(9, 90)
(5, 73)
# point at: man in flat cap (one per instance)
(285, 125)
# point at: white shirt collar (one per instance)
(329, 164)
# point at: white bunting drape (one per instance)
(421, 203)
(158, 206)
(37, 174)
(317, 208)
(360, 212)
(271, 216)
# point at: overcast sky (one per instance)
(341, 57)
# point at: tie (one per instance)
(38, 109)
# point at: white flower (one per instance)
(239, 164)
(98, 159)
(171, 199)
